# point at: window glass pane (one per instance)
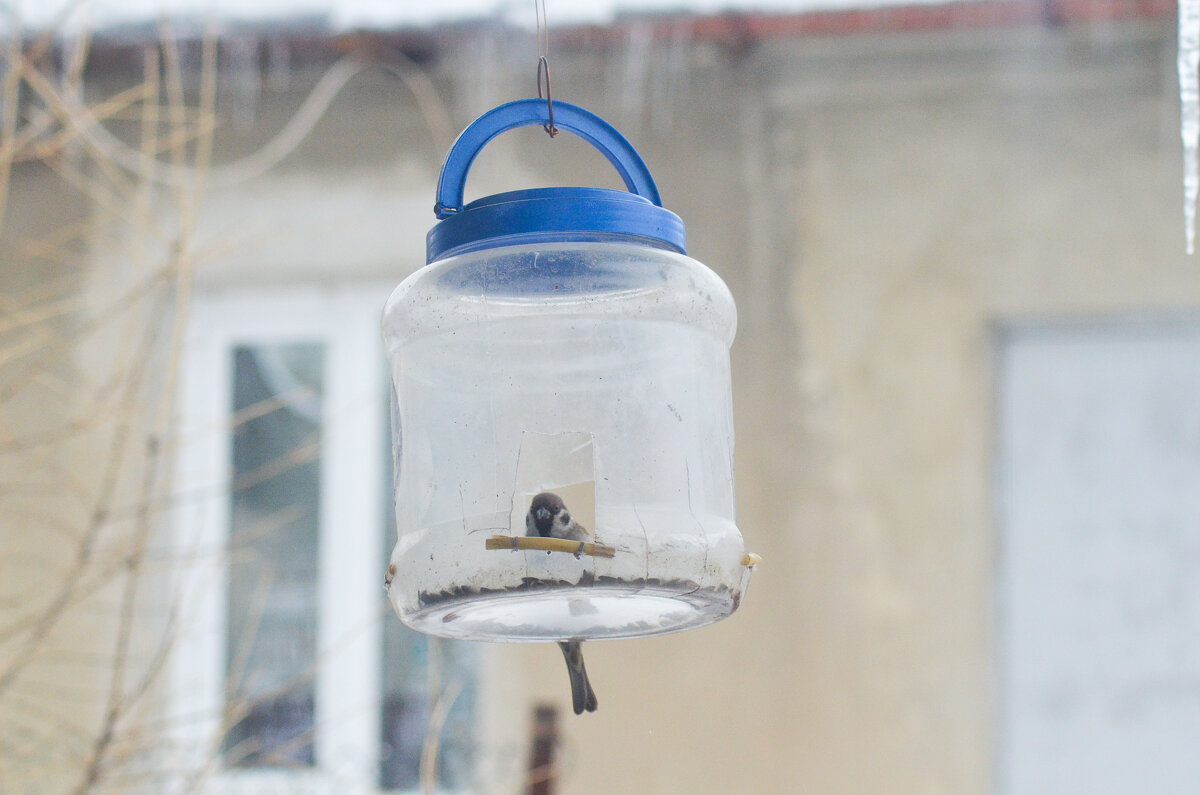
(271, 645)
(1099, 467)
(413, 666)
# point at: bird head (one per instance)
(547, 511)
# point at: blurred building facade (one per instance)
(926, 217)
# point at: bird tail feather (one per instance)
(582, 696)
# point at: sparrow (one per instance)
(548, 517)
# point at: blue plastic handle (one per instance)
(526, 112)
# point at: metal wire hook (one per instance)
(544, 68)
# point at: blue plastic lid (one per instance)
(552, 215)
(543, 215)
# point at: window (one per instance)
(290, 669)
(1099, 467)
(274, 522)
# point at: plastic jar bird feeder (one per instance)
(559, 340)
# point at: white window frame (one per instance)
(345, 320)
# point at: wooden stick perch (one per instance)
(576, 548)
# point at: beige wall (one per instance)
(879, 206)
(87, 315)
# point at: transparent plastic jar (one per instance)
(590, 362)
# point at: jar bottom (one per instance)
(546, 611)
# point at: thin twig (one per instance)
(8, 124)
(433, 735)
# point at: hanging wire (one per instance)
(543, 67)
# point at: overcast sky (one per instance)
(391, 13)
